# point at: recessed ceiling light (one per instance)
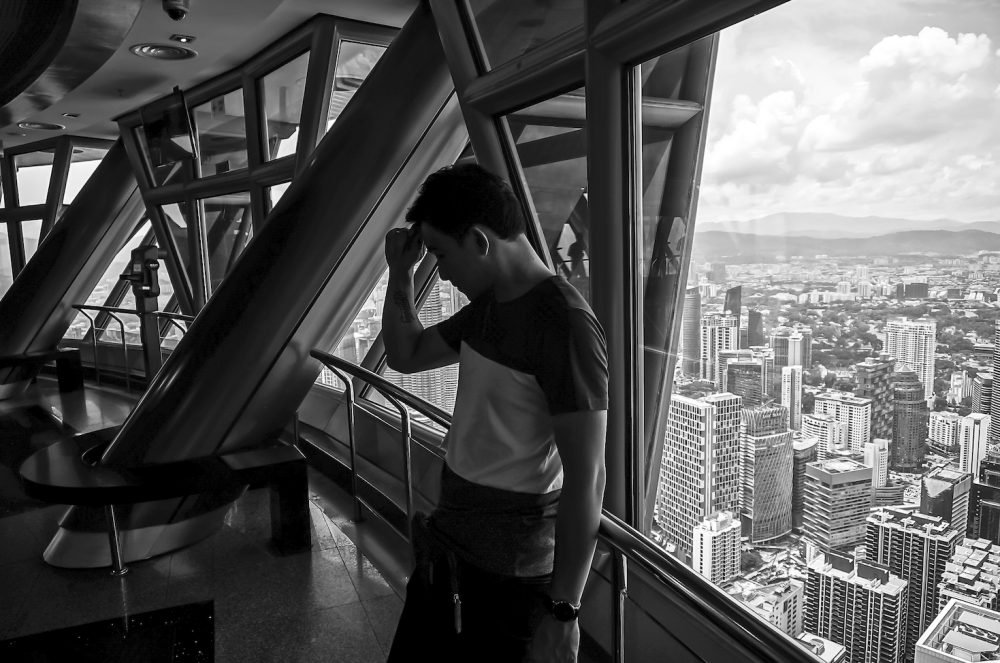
(184, 39)
(15, 133)
(41, 126)
(163, 51)
(71, 115)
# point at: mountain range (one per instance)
(828, 226)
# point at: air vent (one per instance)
(163, 51)
(41, 126)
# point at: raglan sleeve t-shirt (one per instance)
(521, 362)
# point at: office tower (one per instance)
(944, 492)
(915, 547)
(700, 470)
(874, 382)
(877, 458)
(843, 287)
(725, 358)
(972, 575)
(891, 494)
(984, 503)
(838, 495)
(716, 547)
(791, 348)
(755, 328)
(866, 291)
(994, 411)
(916, 290)
(982, 393)
(848, 409)
(746, 379)
(780, 604)
(718, 332)
(734, 302)
(860, 605)
(766, 358)
(766, 472)
(861, 273)
(942, 430)
(830, 433)
(912, 344)
(825, 650)
(803, 453)
(909, 427)
(960, 633)
(717, 272)
(791, 394)
(973, 431)
(691, 334)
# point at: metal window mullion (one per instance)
(57, 184)
(198, 251)
(316, 96)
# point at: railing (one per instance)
(628, 546)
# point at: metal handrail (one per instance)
(113, 312)
(627, 544)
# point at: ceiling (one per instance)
(95, 77)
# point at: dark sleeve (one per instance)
(455, 328)
(573, 363)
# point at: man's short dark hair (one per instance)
(457, 197)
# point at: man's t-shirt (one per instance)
(522, 361)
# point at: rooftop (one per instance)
(963, 632)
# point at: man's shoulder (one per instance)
(559, 294)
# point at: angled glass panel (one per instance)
(281, 94)
(357, 341)
(274, 194)
(354, 62)
(31, 232)
(177, 218)
(510, 28)
(552, 149)
(83, 162)
(6, 269)
(33, 171)
(220, 125)
(228, 229)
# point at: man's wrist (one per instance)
(562, 609)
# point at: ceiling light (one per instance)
(163, 51)
(41, 126)
(184, 39)
(71, 115)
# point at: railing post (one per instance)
(118, 568)
(349, 391)
(121, 325)
(93, 336)
(621, 588)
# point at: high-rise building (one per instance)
(700, 469)
(909, 428)
(791, 348)
(972, 575)
(961, 632)
(838, 496)
(746, 379)
(718, 332)
(717, 272)
(780, 603)
(877, 458)
(716, 547)
(831, 435)
(791, 394)
(734, 302)
(912, 343)
(766, 358)
(873, 377)
(691, 334)
(859, 605)
(973, 431)
(766, 472)
(755, 328)
(803, 453)
(848, 409)
(825, 650)
(725, 358)
(915, 547)
(982, 392)
(994, 411)
(984, 502)
(944, 492)
(942, 430)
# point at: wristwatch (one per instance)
(563, 611)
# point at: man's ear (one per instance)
(480, 240)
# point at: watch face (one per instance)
(564, 611)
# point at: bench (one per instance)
(66, 473)
(69, 369)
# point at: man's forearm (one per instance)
(577, 523)
(401, 327)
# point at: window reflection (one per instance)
(274, 193)
(229, 230)
(552, 148)
(358, 340)
(509, 28)
(31, 232)
(354, 62)
(281, 94)
(83, 163)
(177, 217)
(6, 269)
(33, 171)
(222, 138)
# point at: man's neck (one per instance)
(520, 270)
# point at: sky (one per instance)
(862, 108)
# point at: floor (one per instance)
(329, 603)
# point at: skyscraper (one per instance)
(716, 547)
(861, 606)
(781, 604)
(848, 409)
(874, 382)
(994, 438)
(838, 495)
(718, 332)
(945, 493)
(803, 453)
(915, 547)
(877, 458)
(973, 431)
(942, 430)
(909, 429)
(734, 302)
(766, 472)
(746, 379)
(691, 334)
(700, 470)
(755, 328)
(831, 435)
(791, 348)
(961, 632)
(912, 344)
(791, 394)
(982, 393)
(972, 575)
(984, 503)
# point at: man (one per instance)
(523, 482)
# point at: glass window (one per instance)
(356, 342)
(177, 217)
(354, 62)
(281, 94)
(33, 173)
(274, 193)
(82, 165)
(509, 28)
(552, 148)
(228, 229)
(6, 269)
(220, 125)
(31, 232)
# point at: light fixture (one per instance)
(163, 51)
(41, 126)
(71, 115)
(184, 39)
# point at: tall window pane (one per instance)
(31, 231)
(83, 163)
(177, 218)
(509, 28)
(222, 136)
(33, 171)
(357, 341)
(552, 148)
(228, 229)
(6, 269)
(281, 98)
(354, 62)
